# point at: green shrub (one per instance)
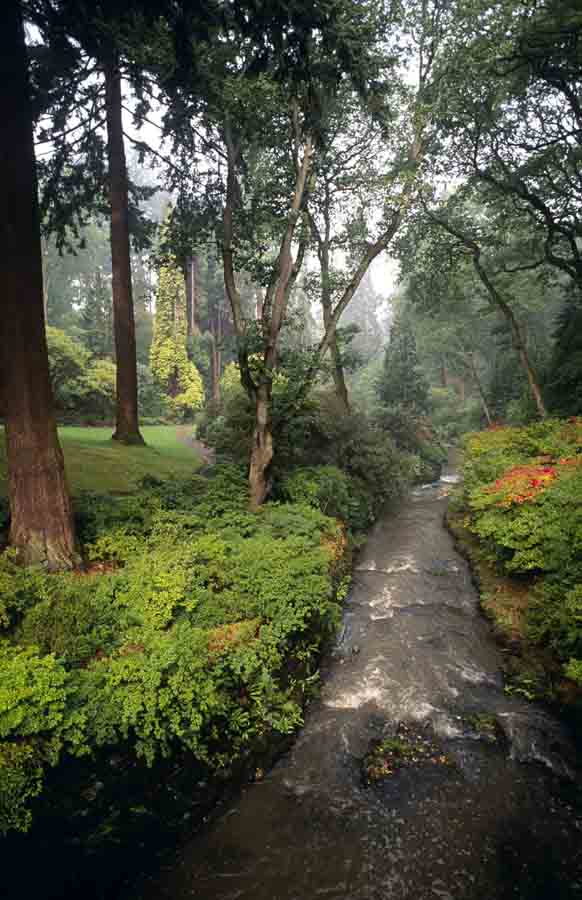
(573, 670)
(325, 487)
(555, 619)
(74, 620)
(523, 491)
(413, 433)
(19, 589)
(36, 721)
(187, 641)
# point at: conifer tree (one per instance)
(41, 516)
(402, 382)
(175, 373)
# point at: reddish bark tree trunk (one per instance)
(191, 267)
(42, 527)
(127, 425)
(262, 449)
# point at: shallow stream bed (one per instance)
(491, 810)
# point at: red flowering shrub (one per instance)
(523, 491)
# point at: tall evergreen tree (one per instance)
(402, 382)
(88, 49)
(174, 372)
(41, 525)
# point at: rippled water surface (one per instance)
(500, 822)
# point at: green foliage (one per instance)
(83, 387)
(555, 618)
(413, 434)
(68, 361)
(21, 779)
(97, 389)
(402, 382)
(19, 588)
(449, 416)
(174, 372)
(347, 460)
(74, 618)
(523, 490)
(33, 691)
(573, 670)
(182, 638)
(325, 487)
(564, 390)
(36, 720)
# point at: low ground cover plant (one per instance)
(523, 497)
(196, 627)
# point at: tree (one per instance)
(348, 187)
(495, 253)
(402, 382)
(176, 375)
(252, 124)
(41, 516)
(126, 418)
(83, 57)
(513, 119)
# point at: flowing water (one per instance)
(501, 821)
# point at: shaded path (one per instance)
(499, 824)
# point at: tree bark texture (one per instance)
(272, 314)
(41, 515)
(480, 388)
(262, 448)
(323, 253)
(191, 267)
(519, 341)
(126, 425)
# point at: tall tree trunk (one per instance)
(516, 331)
(443, 373)
(323, 253)
(41, 526)
(341, 388)
(533, 382)
(337, 369)
(480, 388)
(262, 448)
(497, 300)
(216, 355)
(188, 284)
(273, 311)
(126, 425)
(191, 269)
(214, 372)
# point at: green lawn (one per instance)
(96, 463)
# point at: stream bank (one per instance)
(501, 819)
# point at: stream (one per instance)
(502, 819)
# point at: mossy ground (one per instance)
(410, 746)
(486, 727)
(96, 463)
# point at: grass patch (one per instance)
(96, 463)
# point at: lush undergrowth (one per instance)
(96, 463)
(196, 628)
(522, 511)
(347, 465)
